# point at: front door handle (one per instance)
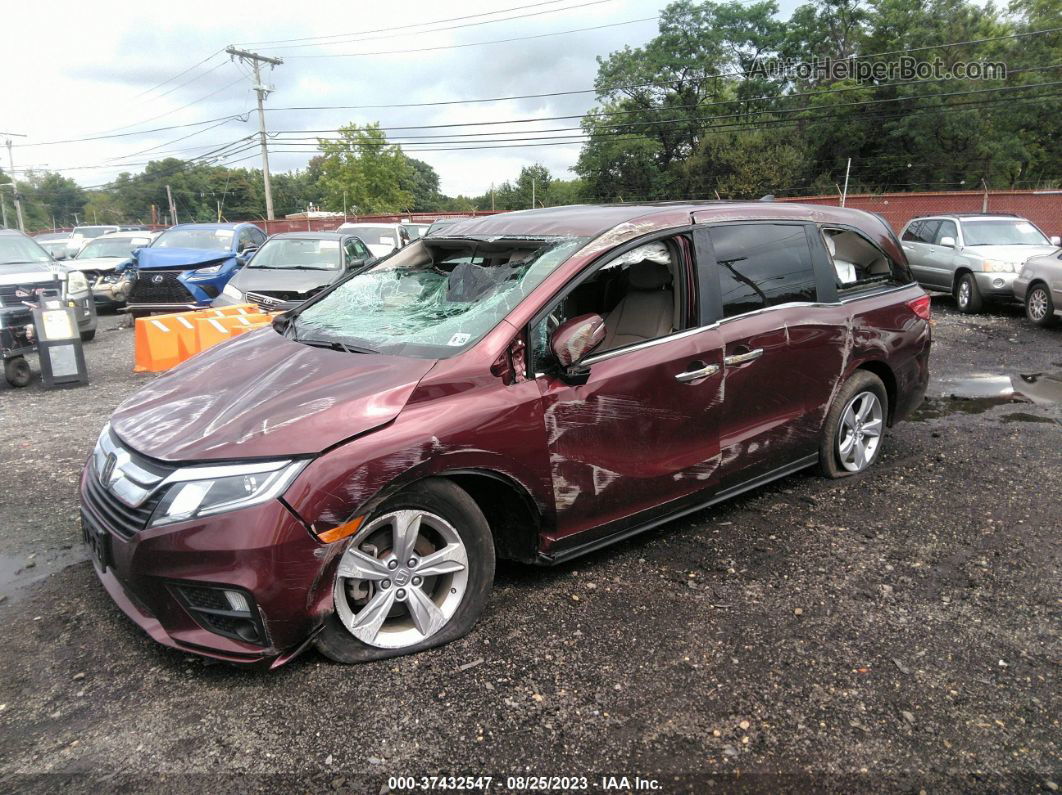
(741, 358)
(694, 375)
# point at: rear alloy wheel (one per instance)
(968, 295)
(855, 427)
(416, 575)
(1039, 307)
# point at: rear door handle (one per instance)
(694, 375)
(741, 358)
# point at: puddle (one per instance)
(978, 393)
(19, 571)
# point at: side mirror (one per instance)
(571, 343)
(1056, 240)
(59, 255)
(949, 242)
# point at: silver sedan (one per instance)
(1039, 286)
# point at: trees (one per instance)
(688, 115)
(364, 173)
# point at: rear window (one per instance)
(858, 264)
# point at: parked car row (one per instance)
(982, 258)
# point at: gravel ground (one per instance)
(899, 631)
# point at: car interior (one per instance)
(856, 261)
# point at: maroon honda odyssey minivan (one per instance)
(529, 386)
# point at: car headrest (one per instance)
(648, 275)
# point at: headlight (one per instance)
(205, 273)
(995, 266)
(76, 283)
(232, 292)
(206, 490)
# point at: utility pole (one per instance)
(173, 207)
(3, 208)
(532, 193)
(492, 197)
(847, 170)
(14, 184)
(262, 91)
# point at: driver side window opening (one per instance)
(857, 263)
(640, 295)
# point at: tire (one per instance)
(833, 460)
(446, 514)
(1039, 307)
(968, 295)
(17, 371)
(88, 336)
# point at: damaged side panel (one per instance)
(633, 437)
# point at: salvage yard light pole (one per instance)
(262, 91)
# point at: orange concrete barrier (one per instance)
(229, 311)
(156, 344)
(164, 341)
(212, 330)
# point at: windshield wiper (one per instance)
(336, 345)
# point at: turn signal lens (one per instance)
(342, 531)
(921, 306)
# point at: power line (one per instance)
(476, 43)
(179, 74)
(402, 27)
(579, 91)
(360, 37)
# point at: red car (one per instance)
(530, 386)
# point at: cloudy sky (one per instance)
(78, 70)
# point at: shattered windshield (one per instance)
(432, 300)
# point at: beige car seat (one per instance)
(646, 312)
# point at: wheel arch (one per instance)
(888, 378)
(514, 518)
(960, 271)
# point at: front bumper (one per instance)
(996, 285)
(263, 551)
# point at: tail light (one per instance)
(921, 306)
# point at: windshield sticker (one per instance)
(459, 339)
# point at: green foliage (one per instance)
(366, 174)
(683, 117)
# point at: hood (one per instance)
(263, 396)
(30, 273)
(1015, 254)
(95, 263)
(283, 279)
(178, 258)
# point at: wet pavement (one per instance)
(897, 631)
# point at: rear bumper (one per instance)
(264, 552)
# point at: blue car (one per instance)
(188, 266)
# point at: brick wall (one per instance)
(1043, 208)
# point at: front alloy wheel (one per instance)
(416, 575)
(860, 430)
(401, 579)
